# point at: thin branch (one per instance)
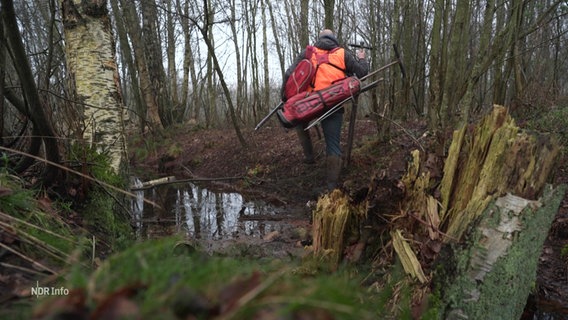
(402, 128)
(104, 184)
(168, 182)
(23, 256)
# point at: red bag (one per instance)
(303, 107)
(302, 76)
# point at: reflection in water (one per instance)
(198, 213)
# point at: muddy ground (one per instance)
(270, 168)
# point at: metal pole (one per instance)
(261, 123)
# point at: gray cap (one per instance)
(326, 32)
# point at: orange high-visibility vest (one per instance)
(330, 68)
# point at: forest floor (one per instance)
(270, 168)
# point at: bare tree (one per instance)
(149, 116)
(35, 107)
(206, 34)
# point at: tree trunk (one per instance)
(154, 59)
(92, 66)
(35, 105)
(241, 90)
(172, 71)
(138, 106)
(455, 70)
(279, 49)
(150, 114)
(304, 29)
(266, 89)
(329, 7)
(189, 66)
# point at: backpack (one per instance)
(303, 108)
(302, 76)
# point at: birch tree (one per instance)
(92, 67)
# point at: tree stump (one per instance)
(333, 219)
(496, 210)
(489, 160)
(484, 232)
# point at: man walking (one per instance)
(338, 64)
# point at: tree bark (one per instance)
(493, 272)
(154, 58)
(35, 105)
(92, 66)
(455, 70)
(304, 27)
(149, 115)
(329, 7)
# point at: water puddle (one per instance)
(200, 213)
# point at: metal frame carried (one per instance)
(338, 105)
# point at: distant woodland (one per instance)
(92, 70)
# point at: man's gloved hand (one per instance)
(361, 54)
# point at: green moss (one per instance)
(172, 279)
(102, 217)
(103, 211)
(503, 291)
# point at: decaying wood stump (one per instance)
(494, 216)
(486, 225)
(492, 159)
(332, 219)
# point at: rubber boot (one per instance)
(332, 171)
(306, 143)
